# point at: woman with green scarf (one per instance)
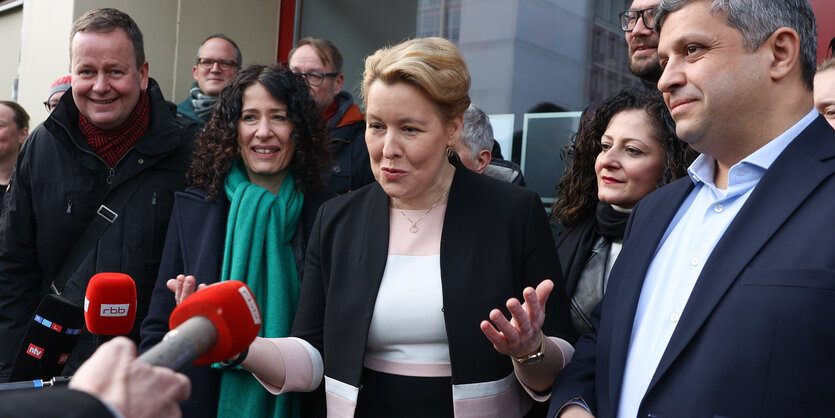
(256, 185)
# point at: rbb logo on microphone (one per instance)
(110, 304)
(119, 309)
(34, 351)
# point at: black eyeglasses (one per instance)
(225, 65)
(629, 19)
(316, 78)
(50, 106)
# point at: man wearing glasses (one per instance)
(638, 24)
(320, 63)
(218, 61)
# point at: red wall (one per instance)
(825, 15)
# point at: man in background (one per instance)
(56, 90)
(638, 24)
(475, 145)
(218, 62)
(320, 63)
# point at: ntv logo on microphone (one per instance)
(115, 309)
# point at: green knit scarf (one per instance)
(259, 230)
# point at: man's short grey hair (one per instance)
(477, 133)
(238, 56)
(758, 19)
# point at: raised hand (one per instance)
(182, 286)
(521, 335)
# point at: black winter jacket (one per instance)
(351, 169)
(56, 188)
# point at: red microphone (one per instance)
(110, 304)
(211, 325)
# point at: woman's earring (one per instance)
(449, 152)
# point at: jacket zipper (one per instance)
(111, 174)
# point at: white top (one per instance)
(408, 334)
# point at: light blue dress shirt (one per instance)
(688, 242)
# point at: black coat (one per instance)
(56, 188)
(495, 242)
(194, 245)
(351, 169)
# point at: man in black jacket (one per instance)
(113, 152)
(320, 63)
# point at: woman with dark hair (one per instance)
(255, 186)
(625, 148)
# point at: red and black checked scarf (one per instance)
(112, 145)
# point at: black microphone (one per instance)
(49, 339)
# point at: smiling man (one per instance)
(93, 188)
(721, 301)
(218, 62)
(638, 24)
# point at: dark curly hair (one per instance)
(577, 189)
(217, 146)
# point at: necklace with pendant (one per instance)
(414, 228)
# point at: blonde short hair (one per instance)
(433, 65)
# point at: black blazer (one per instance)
(495, 241)
(756, 336)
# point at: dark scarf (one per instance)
(610, 223)
(113, 144)
(575, 243)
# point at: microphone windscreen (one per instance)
(49, 339)
(233, 311)
(110, 304)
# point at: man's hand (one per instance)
(134, 388)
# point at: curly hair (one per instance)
(217, 146)
(577, 189)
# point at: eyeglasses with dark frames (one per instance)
(225, 65)
(50, 106)
(629, 19)
(316, 78)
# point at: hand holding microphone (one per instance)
(135, 388)
(209, 326)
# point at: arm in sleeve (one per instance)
(162, 302)
(19, 270)
(577, 379)
(48, 403)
